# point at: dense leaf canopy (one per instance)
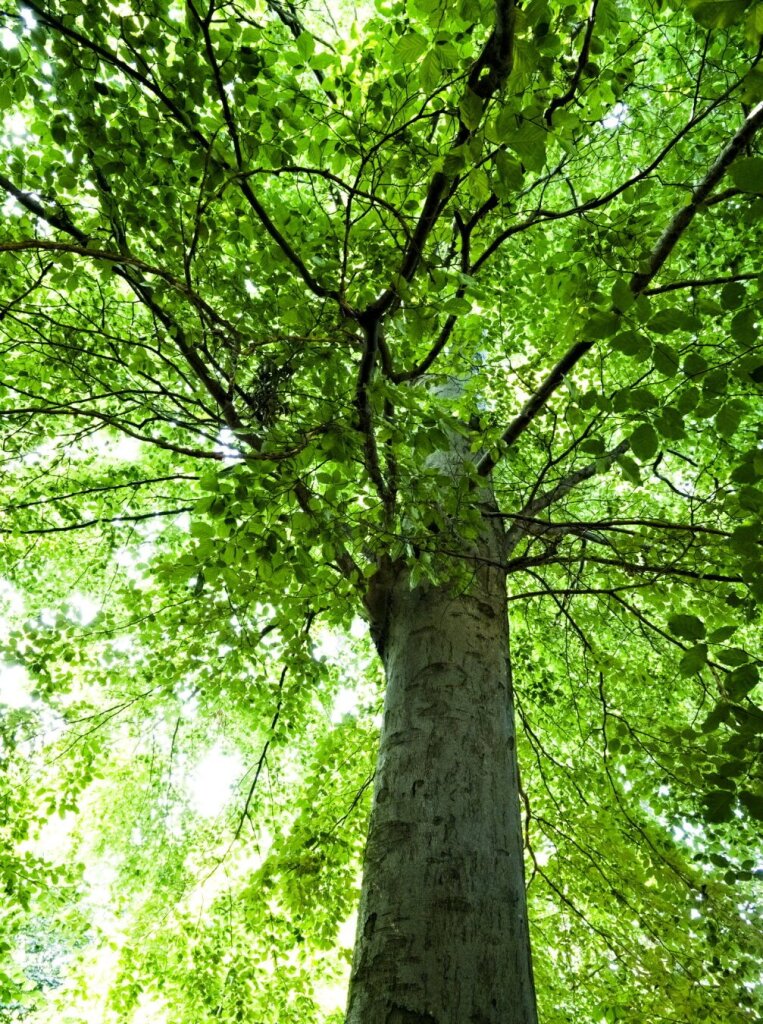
(260, 265)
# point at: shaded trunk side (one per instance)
(442, 929)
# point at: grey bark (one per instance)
(442, 929)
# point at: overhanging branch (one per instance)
(105, 521)
(705, 282)
(638, 282)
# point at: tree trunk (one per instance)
(442, 929)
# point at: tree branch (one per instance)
(135, 518)
(365, 415)
(569, 95)
(118, 259)
(638, 282)
(535, 403)
(541, 216)
(515, 564)
(488, 74)
(179, 115)
(706, 282)
(550, 497)
(97, 490)
(58, 219)
(686, 215)
(615, 525)
(263, 756)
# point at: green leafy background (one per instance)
(196, 201)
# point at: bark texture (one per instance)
(442, 929)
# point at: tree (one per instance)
(415, 315)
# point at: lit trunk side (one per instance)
(442, 928)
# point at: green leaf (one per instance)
(305, 45)
(410, 47)
(733, 656)
(622, 296)
(752, 803)
(743, 679)
(632, 344)
(218, 507)
(733, 295)
(471, 109)
(506, 122)
(755, 21)
(670, 424)
(722, 633)
(601, 325)
(630, 469)
(717, 13)
(510, 177)
(747, 174)
(58, 131)
(665, 359)
(665, 321)
(528, 140)
(693, 660)
(744, 327)
(688, 627)
(719, 860)
(694, 364)
(430, 72)
(457, 306)
(717, 716)
(454, 163)
(644, 441)
(718, 806)
(728, 418)
(640, 399)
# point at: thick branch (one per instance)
(230, 123)
(57, 219)
(535, 403)
(365, 416)
(686, 215)
(465, 232)
(493, 66)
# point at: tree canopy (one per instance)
(262, 264)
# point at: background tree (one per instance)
(400, 315)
